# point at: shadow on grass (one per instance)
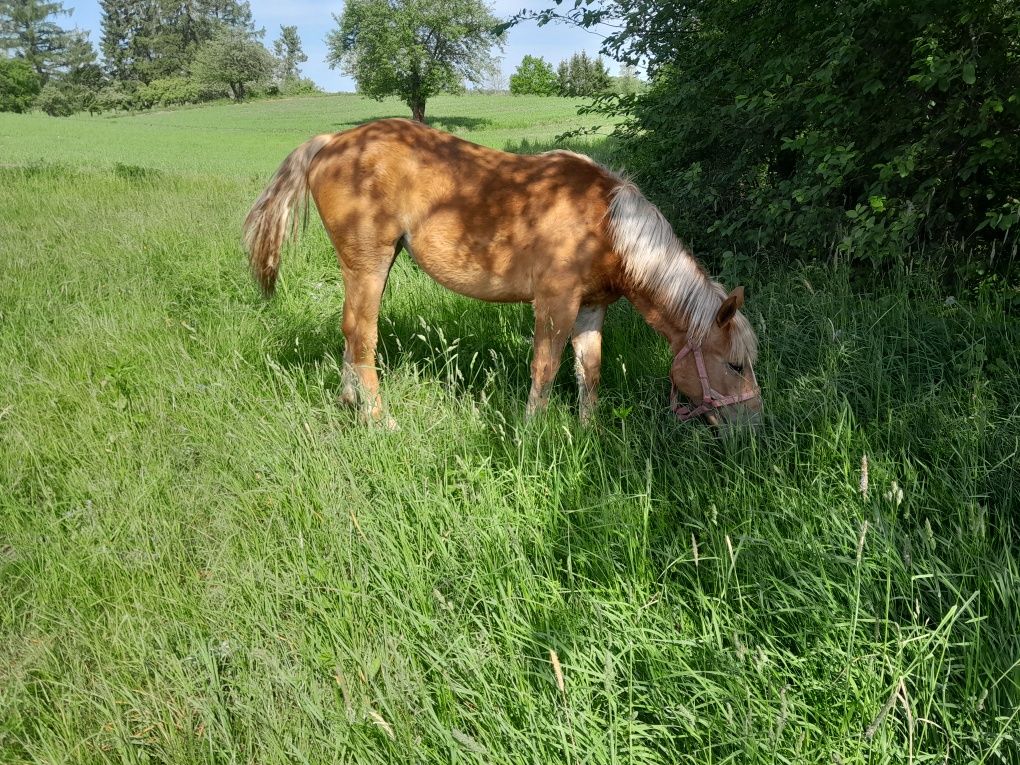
(458, 124)
(638, 503)
(598, 147)
(449, 124)
(473, 347)
(463, 342)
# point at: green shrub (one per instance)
(175, 91)
(298, 86)
(56, 101)
(265, 89)
(118, 96)
(19, 85)
(870, 128)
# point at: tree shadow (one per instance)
(438, 333)
(348, 124)
(458, 124)
(599, 148)
(449, 124)
(471, 346)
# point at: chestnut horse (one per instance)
(556, 230)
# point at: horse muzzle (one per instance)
(712, 402)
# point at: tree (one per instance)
(494, 81)
(128, 32)
(81, 78)
(599, 80)
(563, 78)
(145, 40)
(582, 76)
(288, 52)
(233, 59)
(534, 76)
(414, 49)
(27, 30)
(79, 67)
(64, 61)
(19, 85)
(628, 83)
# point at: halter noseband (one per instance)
(711, 400)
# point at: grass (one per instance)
(204, 559)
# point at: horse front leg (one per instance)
(587, 342)
(554, 319)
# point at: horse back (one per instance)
(483, 222)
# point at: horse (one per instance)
(556, 230)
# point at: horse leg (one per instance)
(362, 296)
(587, 342)
(553, 320)
(348, 377)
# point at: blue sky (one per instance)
(314, 20)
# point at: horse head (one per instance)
(716, 373)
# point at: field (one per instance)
(203, 558)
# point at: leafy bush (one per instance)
(66, 97)
(871, 128)
(170, 91)
(118, 96)
(19, 85)
(56, 101)
(299, 86)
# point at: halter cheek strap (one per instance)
(711, 400)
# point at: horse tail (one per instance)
(271, 219)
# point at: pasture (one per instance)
(204, 559)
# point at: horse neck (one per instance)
(674, 329)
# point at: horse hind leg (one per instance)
(365, 277)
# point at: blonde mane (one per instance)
(656, 260)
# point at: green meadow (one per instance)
(205, 559)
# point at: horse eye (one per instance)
(738, 368)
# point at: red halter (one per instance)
(711, 399)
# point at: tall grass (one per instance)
(203, 558)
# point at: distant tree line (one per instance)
(155, 53)
(580, 75)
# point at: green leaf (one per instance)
(968, 73)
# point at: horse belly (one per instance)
(478, 271)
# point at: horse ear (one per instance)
(730, 306)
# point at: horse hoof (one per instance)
(387, 423)
(380, 421)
